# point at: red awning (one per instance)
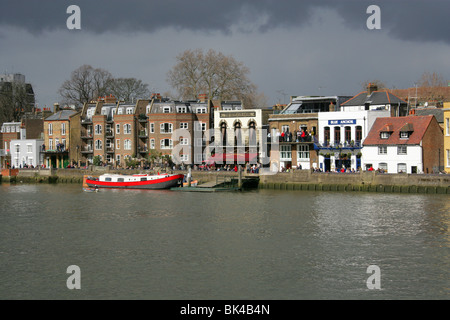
(223, 158)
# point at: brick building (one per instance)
(61, 139)
(178, 128)
(446, 121)
(9, 131)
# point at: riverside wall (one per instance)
(302, 180)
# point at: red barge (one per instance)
(135, 181)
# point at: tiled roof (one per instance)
(376, 98)
(394, 125)
(61, 115)
(437, 112)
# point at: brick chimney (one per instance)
(371, 88)
(202, 97)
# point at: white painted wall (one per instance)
(29, 152)
(392, 159)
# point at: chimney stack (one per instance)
(371, 88)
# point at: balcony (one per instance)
(87, 149)
(143, 134)
(109, 134)
(86, 135)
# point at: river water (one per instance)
(261, 244)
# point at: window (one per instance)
(118, 159)
(284, 128)
(98, 129)
(447, 125)
(337, 134)
(358, 133)
(200, 126)
(184, 157)
(404, 135)
(152, 143)
(326, 135)
(383, 166)
(166, 144)
(384, 135)
(117, 128)
(152, 127)
(50, 129)
(63, 128)
(348, 133)
(120, 111)
(286, 153)
(127, 128)
(130, 110)
(183, 125)
(166, 109)
(184, 141)
(448, 158)
(127, 144)
(166, 127)
(98, 144)
(29, 148)
(401, 150)
(302, 152)
(50, 144)
(117, 143)
(201, 109)
(401, 168)
(382, 150)
(181, 109)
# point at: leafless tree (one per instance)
(220, 77)
(129, 89)
(85, 84)
(16, 98)
(431, 87)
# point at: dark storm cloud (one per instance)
(408, 20)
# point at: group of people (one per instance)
(302, 135)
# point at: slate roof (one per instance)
(61, 115)
(438, 113)
(376, 98)
(394, 125)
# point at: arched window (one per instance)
(252, 133)
(326, 136)
(237, 134)
(127, 128)
(223, 132)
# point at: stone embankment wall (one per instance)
(294, 180)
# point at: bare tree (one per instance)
(380, 84)
(432, 87)
(220, 77)
(85, 84)
(16, 98)
(129, 89)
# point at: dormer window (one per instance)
(404, 135)
(385, 135)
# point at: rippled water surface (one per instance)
(262, 244)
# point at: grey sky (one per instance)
(291, 47)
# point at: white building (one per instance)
(341, 135)
(404, 145)
(26, 152)
(238, 131)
